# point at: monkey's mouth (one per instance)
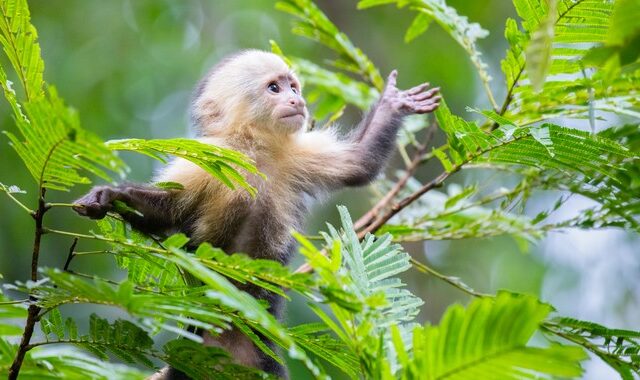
(293, 114)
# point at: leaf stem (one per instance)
(101, 238)
(451, 281)
(63, 205)
(14, 302)
(22, 205)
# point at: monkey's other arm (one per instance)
(375, 136)
(156, 208)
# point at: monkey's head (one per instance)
(251, 89)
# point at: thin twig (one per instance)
(71, 254)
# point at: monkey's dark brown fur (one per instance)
(252, 102)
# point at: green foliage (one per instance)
(20, 44)
(122, 339)
(217, 161)
(10, 311)
(461, 214)
(488, 340)
(315, 25)
(582, 54)
(267, 274)
(616, 347)
(64, 363)
(314, 338)
(142, 269)
(151, 309)
(200, 362)
(538, 51)
(375, 299)
(51, 144)
(546, 146)
(579, 26)
(463, 32)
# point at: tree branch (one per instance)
(32, 312)
(370, 215)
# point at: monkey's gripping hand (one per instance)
(98, 201)
(417, 100)
(149, 209)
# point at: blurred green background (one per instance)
(128, 67)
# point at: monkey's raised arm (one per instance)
(156, 208)
(358, 160)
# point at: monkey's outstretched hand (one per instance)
(417, 100)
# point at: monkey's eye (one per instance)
(294, 89)
(273, 87)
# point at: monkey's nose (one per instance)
(293, 101)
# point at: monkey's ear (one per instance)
(205, 114)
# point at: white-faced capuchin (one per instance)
(252, 102)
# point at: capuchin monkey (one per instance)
(252, 102)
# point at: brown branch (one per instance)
(373, 213)
(396, 208)
(32, 312)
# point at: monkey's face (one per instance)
(284, 98)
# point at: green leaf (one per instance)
(315, 25)
(489, 340)
(201, 362)
(538, 53)
(50, 141)
(168, 185)
(52, 145)
(267, 274)
(580, 29)
(618, 348)
(20, 43)
(465, 33)
(370, 267)
(543, 146)
(151, 309)
(221, 163)
(64, 363)
(418, 26)
(624, 22)
(313, 338)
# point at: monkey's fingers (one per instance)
(392, 79)
(426, 95)
(92, 210)
(427, 106)
(96, 203)
(418, 89)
